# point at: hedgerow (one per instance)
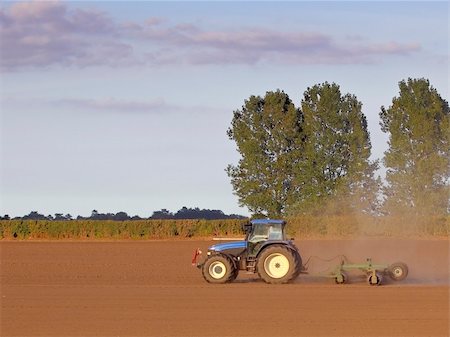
(133, 229)
(300, 227)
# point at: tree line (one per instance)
(164, 214)
(315, 158)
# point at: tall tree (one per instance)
(267, 132)
(418, 158)
(335, 165)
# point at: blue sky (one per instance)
(124, 106)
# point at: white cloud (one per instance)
(156, 106)
(41, 34)
(115, 105)
(107, 104)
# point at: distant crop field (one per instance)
(133, 229)
(300, 227)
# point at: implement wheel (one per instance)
(341, 278)
(374, 280)
(278, 264)
(398, 271)
(219, 269)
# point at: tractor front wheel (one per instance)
(219, 269)
(278, 264)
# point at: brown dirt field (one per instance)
(150, 289)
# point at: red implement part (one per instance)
(197, 252)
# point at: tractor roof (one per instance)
(267, 222)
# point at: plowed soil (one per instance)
(150, 289)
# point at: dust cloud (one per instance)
(427, 259)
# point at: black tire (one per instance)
(299, 262)
(342, 279)
(398, 271)
(219, 269)
(235, 274)
(278, 264)
(374, 281)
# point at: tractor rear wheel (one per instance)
(219, 269)
(299, 262)
(278, 264)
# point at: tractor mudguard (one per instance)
(266, 244)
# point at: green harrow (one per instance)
(397, 271)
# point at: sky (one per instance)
(124, 106)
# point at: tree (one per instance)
(34, 215)
(120, 216)
(162, 214)
(267, 132)
(418, 158)
(59, 217)
(335, 165)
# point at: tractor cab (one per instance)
(265, 229)
(261, 231)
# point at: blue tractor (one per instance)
(265, 251)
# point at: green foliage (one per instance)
(267, 132)
(302, 226)
(335, 167)
(108, 229)
(365, 225)
(20, 229)
(418, 158)
(299, 161)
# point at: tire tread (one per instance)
(294, 259)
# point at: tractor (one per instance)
(265, 251)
